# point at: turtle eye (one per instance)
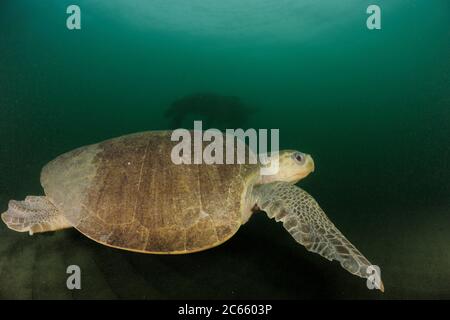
(299, 157)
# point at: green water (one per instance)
(372, 107)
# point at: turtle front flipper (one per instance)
(302, 216)
(34, 214)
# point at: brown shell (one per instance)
(127, 193)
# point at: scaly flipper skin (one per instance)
(35, 214)
(307, 223)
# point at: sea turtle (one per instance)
(127, 193)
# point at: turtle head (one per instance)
(292, 167)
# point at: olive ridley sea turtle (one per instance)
(127, 193)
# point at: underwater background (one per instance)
(371, 106)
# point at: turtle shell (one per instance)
(127, 193)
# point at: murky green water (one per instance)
(372, 107)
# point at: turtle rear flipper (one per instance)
(35, 214)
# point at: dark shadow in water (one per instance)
(216, 111)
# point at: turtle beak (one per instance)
(310, 162)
